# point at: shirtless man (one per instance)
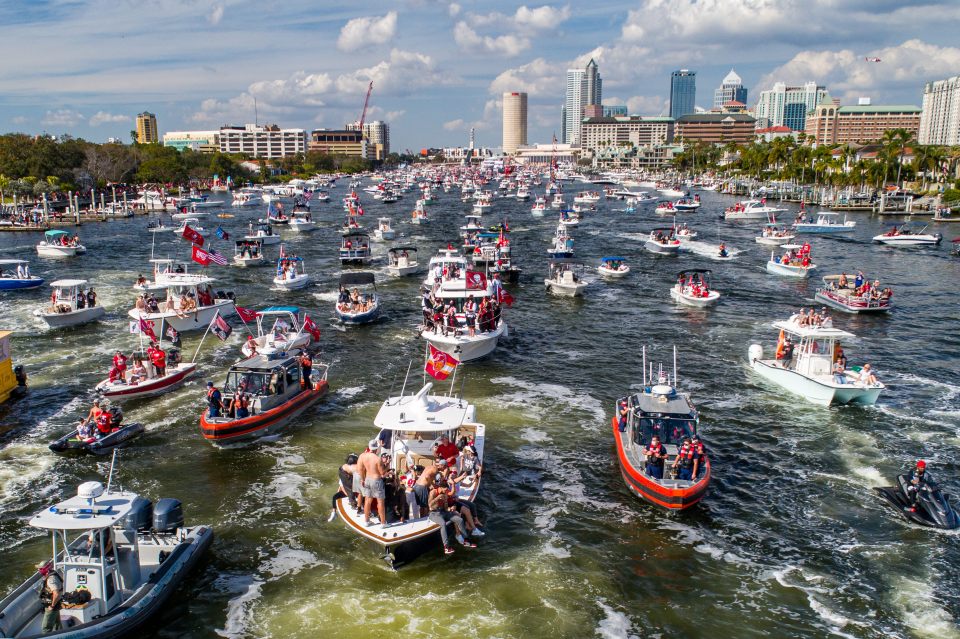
(372, 487)
(95, 411)
(423, 485)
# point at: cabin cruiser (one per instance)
(275, 393)
(69, 305)
(57, 243)
(476, 324)
(408, 426)
(291, 273)
(826, 224)
(448, 262)
(796, 262)
(355, 249)
(402, 260)
(248, 253)
(842, 293)
(262, 232)
(189, 306)
(357, 307)
(117, 552)
(384, 232)
(15, 275)
(613, 267)
(807, 364)
(693, 288)
(751, 210)
(566, 278)
(909, 235)
(663, 241)
(679, 479)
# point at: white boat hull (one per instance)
(566, 290)
(402, 271)
(662, 249)
(915, 240)
(689, 300)
(822, 392)
(299, 226)
(292, 284)
(464, 347)
(613, 274)
(175, 377)
(248, 261)
(50, 250)
(383, 236)
(197, 320)
(265, 240)
(798, 272)
(774, 241)
(73, 318)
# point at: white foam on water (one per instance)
(555, 392)
(615, 624)
(327, 297)
(240, 611)
(289, 561)
(535, 436)
(20, 464)
(350, 391)
(709, 250)
(834, 619)
(915, 601)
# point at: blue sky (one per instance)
(86, 67)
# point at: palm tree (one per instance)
(4, 186)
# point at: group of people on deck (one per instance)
(99, 422)
(695, 285)
(84, 299)
(121, 372)
(370, 481)
(22, 272)
(354, 301)
(690, 458)
(796, 257)
(442, 315)
(862, 287)
(812, 319)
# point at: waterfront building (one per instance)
(546, 153)
(584, 87)
(613, 111)
(771, 133)
(716, 128)
(199, 141)
(377, 135)
(788, 106)
(347, 142)
(940, 117)
(147, 128)
(730, 90)
(683, 92)
(636, 131)
(463, 153)
(832, 124)
(266, 141)
(514, 121)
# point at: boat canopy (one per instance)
(664, 228)
(791, 247)
(68, 283)
(289, 258)
(244, 242)
(612, 259)
(12, 262)
(400, 249)
(357, 279)
(55, 233)
(81, 513)
(693, 271)
(280, 309)
(357, 234)
(833, 278)
(812, 331)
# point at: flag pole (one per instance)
(453, 379)
(214, 319)
(426, 353)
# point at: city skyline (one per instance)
(440, 68)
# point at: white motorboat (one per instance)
(539, 207)
(126, 553)
(187, 213)
(523, 193)
(562, 246)
(825, 224)
(613, 268)
(279, 331)
(248, 253)
(247, 197)
(665, 208)
(557, 201)
(684, 233)
(301, 221)
(362, 304)
(663, 241)
(854, 294)
(15, 275)
(774, 235)
(751, 210)
(805, 365)
(419, 214)
(167, 271)
(384, 231)
(189, 306)
(194, 225)
(569, 218)
(355, 248)
(57, 243)
(908, 234)
(129, 386)
(476, 325)
(670, 191)
(566, 278)
(291, 273)
(262, 232)
(693, 288)
(402, 261)
(408, 426)
(586, 197)
(796, 262)
(69, 306)
(483, 204)
(686, 204)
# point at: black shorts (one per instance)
(422, 493)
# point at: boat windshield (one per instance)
(253, 383)
(670, 430)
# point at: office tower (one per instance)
(514, 121)
(730, 90)
(683, 92)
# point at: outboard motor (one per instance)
(167, 515)
(21, 374)
(140, 516)
(116, 416)
(173, 357)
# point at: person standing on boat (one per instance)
(159, 359)
(95, 411)
(214, 401)
(685, 461)
(306, 366)
(656, 454)
(51, 597)
(372, 486)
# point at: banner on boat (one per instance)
(220, 328)
(201, 257)
(192, 236)
(311, 327)
(147, 329)
(439, 365)
(476, 281)
(246, 314)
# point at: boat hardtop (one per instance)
(423, 412)
(285, 335)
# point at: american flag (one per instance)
(217, 258)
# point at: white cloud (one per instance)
(648, 105)
(19, 119)
(362, 32)
(454, 125)
(300, 89)
(453, 9)
(401, 74)
(62, 117)
(507, 45)
(216, 14)
(545, 17)
(102, 117)
(538, 78)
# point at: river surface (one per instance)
(791, 540)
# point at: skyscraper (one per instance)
(683, 92)
(514, 121)
(147, 128)
(584, 87)
(730, 90)
(788, 106)
(940, 118)
(377, 135)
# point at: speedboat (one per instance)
(247, 197)
(402, 260)
(613, 267)
(100, 444)
(569, 218)
(686, 204)
(408, 426)
(849, 299)
(665, 208)
(262, 232)
(453, 334)
(908, 234)
(932, 509)
(566, 278)
(127, 386)
(363, 307)
(791, 264)
(774, 235)
(355, 249)
(586, 197)
(291, 273)
(189, 306)
(751, 210)
(126, 555)
(809, 370)
(15, 275)
(660, 409)
(276, 395)
(693, 288)
(684, 233)
(384, 232)
(279, 331)
(663, 241)
(68, 306)
(248, 253)
(826, 224)
(57, 243)
(301, 221)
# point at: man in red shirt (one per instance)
(447, 450)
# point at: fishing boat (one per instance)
(280, 330)
(189, 306)
(407, 426)
(476, 325)
(796, 262)
(825, 224)
(402, 261)
(419, 214)
(357, 307)
(119, 435)
(291, 273)
(261, 231)
(909, 234)
(68, 306)
(539, 207)
(806, 365)
(127, 554)
(15, 275)
(693, 288)
(57, 243)
(565, 278)
(13, 379)
(355, 249)
(774, 235)
(384, 231)
(663, 241)
(613, 268)
(194, 225)
(750, 210)
(276, 395)
(248, 253)
(842, 293)
(660, 410)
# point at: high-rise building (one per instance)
(788, 106)
(730, 90)
(861, 124)
(147, 128)
(584, 87)
(940, 117)
(377, 135)
(683, 92)
(514, 121)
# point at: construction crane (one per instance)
(366, 101)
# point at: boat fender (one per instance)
(755, 352)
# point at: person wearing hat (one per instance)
(372, 487)
(51, 597)
(95, 411)
(623, 412)
(916, 481)
(445, 449)
(214, 401)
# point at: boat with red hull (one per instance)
(275, 395)
(660, 410)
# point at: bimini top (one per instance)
(245, 242)
(424, 412)
(277, 310)
(399, 249)
(55, 233)
(356, 234)
(693, 271)
(812, 331)
(68, 283)
(612, 259)
(663, 228)
(790, 247)
(86, 512)
(12, 262)
(357, 279)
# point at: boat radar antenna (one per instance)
(405, 377)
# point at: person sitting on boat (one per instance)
(95, 411)
(916, 481)
(723, 250)
(842, 282)
(446, 450)
(214, 401)
(138, 373)
(441, 514)
(87, 432)
(655, 453)
(867, 376)
(838, 373)
(51, 597)
(468, 468)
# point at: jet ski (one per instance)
(120, 436)
(933, 508)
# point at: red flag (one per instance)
(246, 314)
(439, 365)
(311, 327)
(505, 298)
(200, 256)
(476, 281)
(220, 328)
(359, 210)
(192, 236)
(147, 329)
